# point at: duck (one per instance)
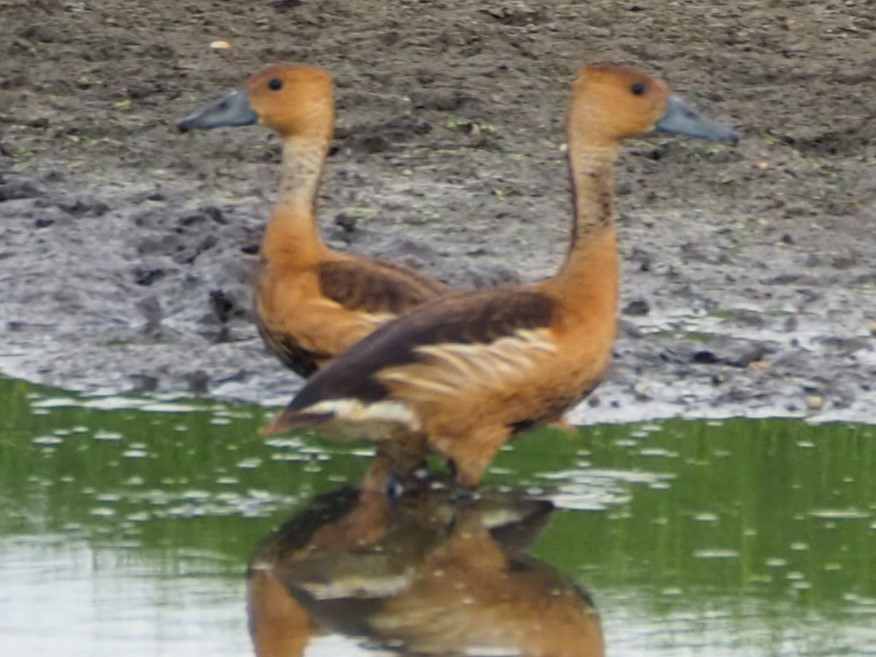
(462, 375)
(312, 302)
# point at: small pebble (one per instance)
(642, 392)
(814, 402)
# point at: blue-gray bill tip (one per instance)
(231, 110)
(681, 118)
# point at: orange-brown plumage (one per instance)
(464, 373)
(312, 302)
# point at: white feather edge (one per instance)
(353, 414)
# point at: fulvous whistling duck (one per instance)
(463, 374)
(312, 303)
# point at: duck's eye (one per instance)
(638, 88)
(275, 83)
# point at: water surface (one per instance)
(126, 526)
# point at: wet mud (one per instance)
(749, 283)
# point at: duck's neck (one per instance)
(303, 160)
(590, 270)
(292, 233)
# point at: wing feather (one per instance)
(470, 370)
(379, 287)
(465, 335)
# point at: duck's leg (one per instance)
(393, 465)
(472, 454)
(379, 477)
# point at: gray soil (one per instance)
(749, 282)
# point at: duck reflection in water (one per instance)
(426, 573)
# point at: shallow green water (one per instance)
(126, 525)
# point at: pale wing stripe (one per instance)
(451, 356)
(380, 318)
(451, 369)
(470, 359)
(504, 365)
(432, 385)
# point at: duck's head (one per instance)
(291, 99)
(611, 103)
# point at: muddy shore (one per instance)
(749, 282)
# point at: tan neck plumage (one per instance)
(589, 276)
(292, 236)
